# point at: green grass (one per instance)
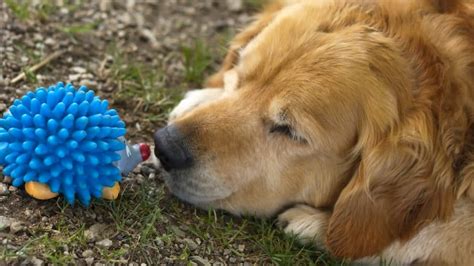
(135, 217)
(197, 60)
(20, 9)
(144, 216)
(52, 246)
(267, 243)
(33, 59)
(80, 28)
(142, 85)
(30, 76)
(43, 10)
(255, 4)
(223, 41)
(263, 242)
(28, 52)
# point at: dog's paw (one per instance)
(193, 99)
(307, 223)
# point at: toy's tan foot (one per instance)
(111, 193)
(39, 191)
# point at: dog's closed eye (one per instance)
(283, 129)
(287, 131)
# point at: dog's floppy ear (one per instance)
(240, 40)
(403, 181)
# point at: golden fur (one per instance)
(353, 120)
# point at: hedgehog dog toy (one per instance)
(63, 140)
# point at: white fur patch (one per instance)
(153, 159)
(193, 99)
(307, 223)
(231, 80)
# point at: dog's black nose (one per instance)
(171, 149)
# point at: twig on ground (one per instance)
(41, 64)
(101, 72)
(138, 106)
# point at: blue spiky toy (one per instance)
(63, 140)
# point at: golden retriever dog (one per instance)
(352, 121)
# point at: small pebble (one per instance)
(146, 170)
(149, 36)
(87, 253)
(5, 222)
(7, 180)
(200, 260)
(140, 179)
(64, 11)
(16, 227)
(94, 232)
(106, 243)
(74, 77)
(18, 27)
(39, 46)
(50, 41)
(37, 37)
(235, 5)
(89, 261)
(191, 244)
(88, 83)
(28, 212)
(87, 76)
(36, 262)
(177, 231)
(78, 69)
(4, 189)
(159, 242)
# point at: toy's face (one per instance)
(284, 129)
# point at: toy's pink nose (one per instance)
(144, 151)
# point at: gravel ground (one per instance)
(141, 55)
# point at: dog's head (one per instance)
(318, 109)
